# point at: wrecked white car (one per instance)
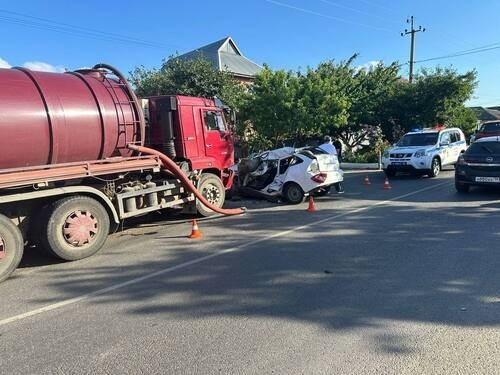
(288, 173)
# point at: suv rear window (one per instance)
(485, 148)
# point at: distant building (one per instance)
(486, 114)
(225, 55)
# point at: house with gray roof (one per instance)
(225, 55)
(486, 114)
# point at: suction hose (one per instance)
(172, 168)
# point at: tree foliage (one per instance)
(359, 105)
(193, 77)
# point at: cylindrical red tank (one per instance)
(49, 118)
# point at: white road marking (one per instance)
(111, 288)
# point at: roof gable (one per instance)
(224, 54)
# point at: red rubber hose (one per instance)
(171, 167)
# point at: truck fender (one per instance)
(68, 190)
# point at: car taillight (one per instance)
(461, 160)
(319, 178)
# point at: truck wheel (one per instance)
(212, 188)
(293, 193)
(76, 228)
(11, 247)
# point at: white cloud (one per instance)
(43, 67)
(4, 64)
(369, 65)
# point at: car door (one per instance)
(445, 145)
(455, 145)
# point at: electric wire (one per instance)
(358, 11)
(74, 30)
(303, 10)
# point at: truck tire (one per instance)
(212, 188)
(11, 247)
(293, 193)
(75, 228)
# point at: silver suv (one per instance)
(425, 151)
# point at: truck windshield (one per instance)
(421, 139)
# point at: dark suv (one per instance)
(479, 165)
(487, 129)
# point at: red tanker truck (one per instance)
(80, 153)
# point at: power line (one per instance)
(74, 30)
(325, 15)
(379, 6)
(458, 54)
(357, 10)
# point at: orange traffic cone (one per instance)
(366, 181)
(312, 206)
(195, 232)
(387, 186)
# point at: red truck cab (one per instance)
(192, 130)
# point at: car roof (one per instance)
(437, 129)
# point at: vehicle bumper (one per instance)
(407, 165)
(485, 179)
(332, 178)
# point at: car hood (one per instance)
(409, 149)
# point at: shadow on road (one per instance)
(403, 262)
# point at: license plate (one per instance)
(398, 163)
(487, 179)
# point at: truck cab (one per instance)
(191, 131)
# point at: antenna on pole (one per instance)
(412, 32)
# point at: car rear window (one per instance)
(491, 128)
(484, 148)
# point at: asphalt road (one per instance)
(400, 281)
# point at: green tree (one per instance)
(194, 77)
(437, 96)
(271, 108)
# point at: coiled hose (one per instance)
(172, 168)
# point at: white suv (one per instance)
(425, 151)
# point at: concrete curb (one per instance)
(347, 166)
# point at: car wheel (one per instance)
(389, 173)
(462, 188)
(212, 188)
(293, 193)
(435, 168)
(11, 247)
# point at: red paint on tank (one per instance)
(49, 118)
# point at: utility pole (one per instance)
(412, 32)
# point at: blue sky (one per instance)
(286, 34)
